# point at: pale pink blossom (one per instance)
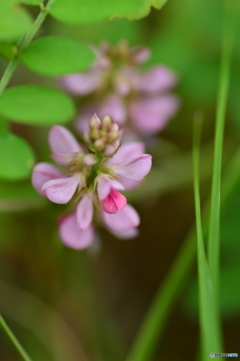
(91, 188)
(139, 98)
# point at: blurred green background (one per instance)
(69, 305)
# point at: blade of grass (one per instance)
(14, 340)
(149, 335)
(214, 223)
(209, 326)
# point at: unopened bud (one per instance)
(95, 122)
(86, 136)
(99, 144)
(114, 128)
(106, 122)
(112, 136)
(94, 133)
(111, 149)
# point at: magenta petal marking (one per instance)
(123, 220)
(105, 184)
(84, 212)
(114, 202)
(42, 173)
(72, 236)
(61, 190)
(62, 141)
(135, 170)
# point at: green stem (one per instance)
(209, 326)
(214, 224)
(14, 340)
(149, 334)
(25, 42)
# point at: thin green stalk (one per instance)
(25, 42)
(214, 223)
(149, 335)
(209, 326)
(14, 340)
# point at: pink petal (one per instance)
(131, 233)
(61, 190)
(113, 106)
(154, 80)
(81, 83)
(123, 220)
(84, 213)
(42, 173)
(122, 84)
(72, 236)
(149, 115)
(127, 152)
(114, 202)
(135, 170)
(129, 184)
(140, 54)
(64, 159)
(62, 141)
(105, 184)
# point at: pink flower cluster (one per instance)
(134, 98)
(93, 179)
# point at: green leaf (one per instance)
(16, 157)
(88, 11)
(31, 2)
(14, 21)
(7, 50)
(55, 55)
(3, 123)
(36, 105)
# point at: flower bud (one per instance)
(95, 122)
(106, 122)
(103, 135)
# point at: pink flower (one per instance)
(93, 180)
(127, 94)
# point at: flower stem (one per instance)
(22, 44)
(14, 340)
(150, 332)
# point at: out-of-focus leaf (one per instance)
(31, 2)
(16, 157)
(6, 50)
(87, 11)
(36, 105)
(55, 55)
(15, 197)
(111, 31)
(3, 124)
(14, 21)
